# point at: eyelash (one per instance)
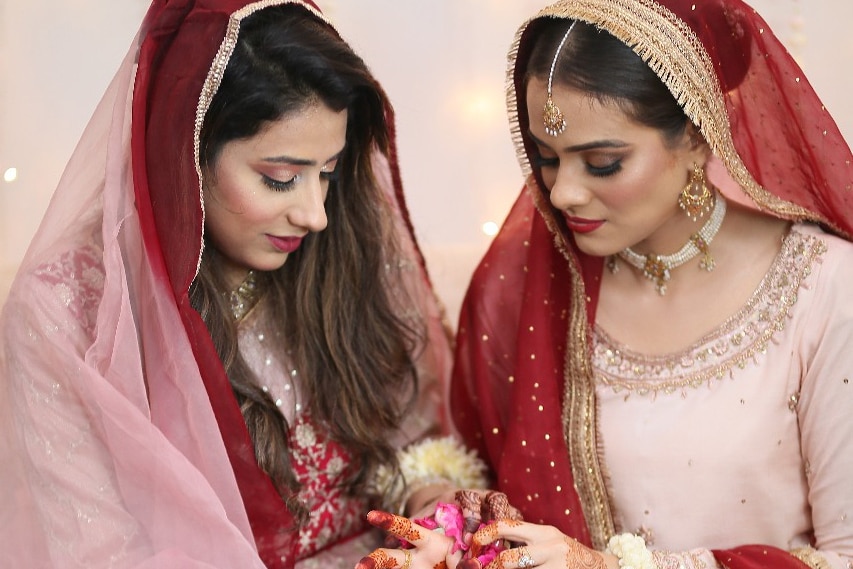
(605, 171)
(540, 162)
(278, 185)
(286, 186)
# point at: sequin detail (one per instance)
(320, 465)
(737, 343)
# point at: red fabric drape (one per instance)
(181, 39)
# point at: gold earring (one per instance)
(695, 199)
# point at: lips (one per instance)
(582, 225)
(285, 244)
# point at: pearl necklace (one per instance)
(658, 268)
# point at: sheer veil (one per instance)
(113, 437)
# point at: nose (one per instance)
(568, 191)
(310, 212)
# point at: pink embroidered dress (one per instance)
(736, 451)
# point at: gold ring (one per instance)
(408, 562)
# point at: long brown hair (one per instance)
(330, 300)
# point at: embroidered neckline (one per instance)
(733, 344)
(244, 298)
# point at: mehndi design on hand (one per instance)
(581, 557)
(378, 559)
(395, 525)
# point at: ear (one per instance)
(695, 146)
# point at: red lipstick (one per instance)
(285, 244)
(582, 225)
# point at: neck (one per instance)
(657, 267)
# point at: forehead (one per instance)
(585, 114)
(312, 129)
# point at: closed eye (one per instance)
(279, 185)
(604, 171)
(540, 162)
(330, 176)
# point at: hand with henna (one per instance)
(430, 549)
(543, 546)
(483, 506)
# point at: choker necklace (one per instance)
(658, 268)
(244, 297)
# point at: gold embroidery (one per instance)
(811, 557)
(732, 346)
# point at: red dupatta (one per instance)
(523, 391)
(186, 49)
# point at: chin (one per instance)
(271, 264)
(595, 247)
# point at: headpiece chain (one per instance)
(555, 122)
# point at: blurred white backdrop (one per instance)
(442, 63)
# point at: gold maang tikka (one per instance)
(555, 122)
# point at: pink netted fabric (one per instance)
(121, 443)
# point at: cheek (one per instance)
(235, 200)
(651, 183)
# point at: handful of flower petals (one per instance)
(449, 520)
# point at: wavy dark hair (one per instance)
(330, 300)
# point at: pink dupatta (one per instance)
(121, 442)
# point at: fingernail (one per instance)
(472, 563)
(366, 563)
(380, 519)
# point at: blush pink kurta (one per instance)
(747, 435)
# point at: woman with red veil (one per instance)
(653, 356)
(223, 334)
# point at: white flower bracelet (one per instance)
(431, 461)
(632, 551)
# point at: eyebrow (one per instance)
(594, 145)
(298, 161)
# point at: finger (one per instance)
(518, 557)
(471, 563)
(470, 501)
(398, 526)
(497, 507)
(386, 559)
(512, 530)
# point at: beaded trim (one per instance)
(811, 557)
(732, 346)
(658, 268)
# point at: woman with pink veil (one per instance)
(223, 335)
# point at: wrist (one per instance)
(610, 561)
